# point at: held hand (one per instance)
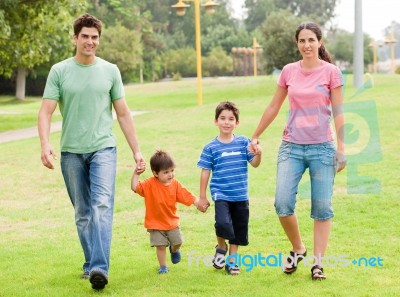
(340, 161)
(203, 204)
(255, 147)
(47, 155)
(140, 162)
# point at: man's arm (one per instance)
(128, 128)
(44, 122)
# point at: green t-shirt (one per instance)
(85, 94)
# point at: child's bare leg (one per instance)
(162, 255)
(233, 249)
(221, 243)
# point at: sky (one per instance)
(377, 15)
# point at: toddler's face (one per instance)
(165, 176)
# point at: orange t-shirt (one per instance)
(161, 202)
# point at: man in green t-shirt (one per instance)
(86, 88)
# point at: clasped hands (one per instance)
(202, 204)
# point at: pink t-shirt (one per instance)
(309, 94)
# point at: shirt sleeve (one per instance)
(117, 90)
(140, 188)
(183, 195)
(52, 88)
(282, 80)
(336, 78)
(205, 160)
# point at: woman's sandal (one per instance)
(232, 269)
(293, 261)
(317, 273)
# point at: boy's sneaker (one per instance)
(219, 258)
(98, 280)
(163, 270)
(175, 256)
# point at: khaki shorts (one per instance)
(162, 237)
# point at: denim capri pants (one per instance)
(293, 160)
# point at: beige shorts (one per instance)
(162, 237)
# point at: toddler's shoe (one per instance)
(163, 270)
(175, 256)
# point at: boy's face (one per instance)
(165, 176)
(226, 122)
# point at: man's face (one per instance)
(86, 42)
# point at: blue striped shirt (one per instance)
(228, 163)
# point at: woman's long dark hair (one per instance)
(322, 52)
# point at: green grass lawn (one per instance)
(39, 250)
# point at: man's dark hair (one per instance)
(87, 20)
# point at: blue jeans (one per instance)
(293, 160)
(90, 182)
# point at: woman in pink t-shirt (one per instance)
(313, 86)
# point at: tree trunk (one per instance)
(20, 86)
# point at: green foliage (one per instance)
(33, 31)
(258, 11)
(279, 45)
(319, 11)
(225, 37)
(181, 61)
(341, 44)
(121, 46)
(217, 63)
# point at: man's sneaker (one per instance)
(98, 280)
(163, 270)
(175, 256)
(219, 258)
(85, 275)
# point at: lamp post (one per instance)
(391, 41)
(181, 10)
(256, 47)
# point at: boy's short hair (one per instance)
(87, 20)
(227, 105)
(160, 161)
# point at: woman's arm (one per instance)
(269, 114)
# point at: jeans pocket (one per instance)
(284, 151)
(327, 153)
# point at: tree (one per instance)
(182, 61)
(257, 12)
(318, 11)
(217, 63)
(122, 47)
(279, 44)
(341, 47)
(32, 32)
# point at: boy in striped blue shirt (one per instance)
(226, 156)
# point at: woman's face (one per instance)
(308, 44)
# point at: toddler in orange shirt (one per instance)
(161, 194)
